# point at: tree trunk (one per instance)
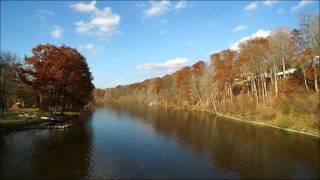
(252, 87)
(265, 90)
(231, 94)
(305, 80)
(271, 78)
(63, 100)
(283, 68)
(248, 89)
(315, 78)
(40, 100)
(50, 101)
(214, 101)
(262, 91)
(258, 88)
(275, 84)
(255, 91)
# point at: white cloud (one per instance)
(157, 8)
(56, 32)
(103, 22)
(82, 27)
(239, 28)
(83, 7)
(160, 7)
(92, 48)
(269, 3)
(251, 7)
(181, 4)
(169, 65)
(259, 34)
(301, 4)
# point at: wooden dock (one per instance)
(64, 126)
(56, 123)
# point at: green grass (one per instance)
(12, 121)
(285, 122)
(12, 118)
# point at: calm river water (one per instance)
(131, 141)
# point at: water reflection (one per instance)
(47, 153)
(132, 141)
(248, 151)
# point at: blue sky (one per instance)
(129, 41)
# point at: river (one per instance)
(133, 141)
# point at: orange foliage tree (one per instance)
(61, 76)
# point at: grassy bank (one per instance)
(13, 118)
(297, 112)
(18, 119)
(293, 124)
(296, 123)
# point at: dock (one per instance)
(55, 126)
(64, 126)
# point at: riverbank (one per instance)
(281, 123)
(26, 118)
(273, 124)
(292, 123)
(269, 125)
(20, 119)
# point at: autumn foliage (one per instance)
(256, 78)
(60, 75)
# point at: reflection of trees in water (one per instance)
(250, 151)
(51, 153)
(65, 154)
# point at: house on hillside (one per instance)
(16, 105)
(287, 72)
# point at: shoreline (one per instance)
(258, 123)
(6, 129)
(238, 119)
(268, 125)
(261, 124)
(36, 124)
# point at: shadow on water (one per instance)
(47, 153)
(135, 141)
(247, 150)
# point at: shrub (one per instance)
(285, 122)
(286, 110)
(268, 116)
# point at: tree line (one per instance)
(259, 72)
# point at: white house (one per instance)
(289, 71)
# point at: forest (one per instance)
(274, 80)
(50, 80)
